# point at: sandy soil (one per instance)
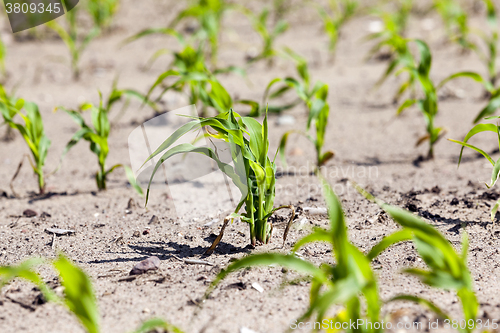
(372, 146)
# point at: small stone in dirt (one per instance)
(468, 203)
(154, 220)
(3, 194)
(29, 213)
(454, 202)
(149, 264)
(145, 232)
(136, 233)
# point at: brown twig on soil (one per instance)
(211, 249)
(285, 234)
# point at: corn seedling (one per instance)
(455, 20)
(302, 86)
(350, 282)
(253, 172)
(208, 14)
(479, 128)
(192, 76)
(334, 18)
(98, 139)
(447, 269)
(31, 129)
(268, 35)
(79, 297)
(72, 37)
(428, 105)
(319, 111)
(102, 12)
(393, 31)
(489, 59)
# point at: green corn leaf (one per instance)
(495, 174)
(475, 130)
(388, 241)
(79, 293)
(26, 270)
(489, 109)
(476, 149)
(318, 235)
(471, 75)
(265, 259)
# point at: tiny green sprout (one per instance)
(97, 136)
(253, 172)
(319, 110)
(102, 12)
(479, 128)
(31, 129)
(336, 17)
(268, 35)
(72, 37)
(79, 295)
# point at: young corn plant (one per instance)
(319, 111)
(334, 18)
(208, 14)
(391, 38)
(428, 105)
(447, 269)
(260, 25)
(253, 172)
(31, 129)
(302, 86)
(191, 76)
(79, 297)
(455, 20)
(489, 59)
(479, 128)
(102, 12)
(97, 136)
(350, 282)
(75, 41)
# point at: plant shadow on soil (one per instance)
(170, 249)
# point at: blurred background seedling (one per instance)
(102, 12)
(334, 17)
(31, 129)
(97, 136)
(419, 73)
(268, 34)
(75, 39)
(319, 111)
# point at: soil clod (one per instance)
(29, 213)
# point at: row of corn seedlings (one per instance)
(29, 124)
